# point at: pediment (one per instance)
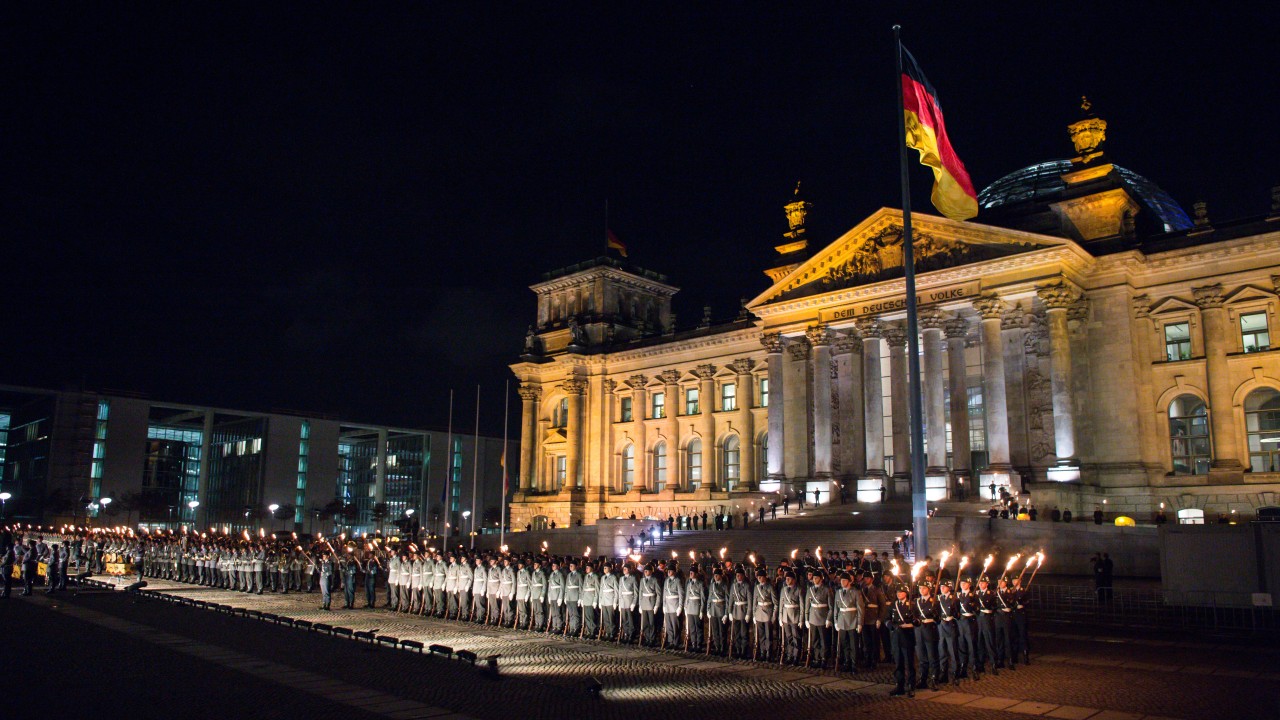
(872, 252)
(1173, 305)
(1247, 293)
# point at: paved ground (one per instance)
(217, 665)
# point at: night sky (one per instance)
(340, 210)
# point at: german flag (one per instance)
(953, 192)
(611, 242)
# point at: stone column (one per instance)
(746, 425)
(849, 389)
(932, 322)
(1217, 343)
(957, 330)
(774, 345)
(995, 409)
(529, 394)
(706, 375)
(872, 399)
(899, 391)
(1057, 298)
(575, 389)
(644, 475)
(671, 429)
(820, 339)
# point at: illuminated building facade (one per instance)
(1083, 338)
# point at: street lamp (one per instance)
(4, 498)
(192, 505)
(273, 507)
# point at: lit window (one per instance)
(1262, 429)
(764, 392)
(561, 418)
(732, 469)
(694, 473)
(1189, 435)
(659, 405)
(626, 410)
(562, 470)
(691, 401)
(659, 467)
(729, 396)
(1253, 331)
(1177, 341)
(628, 467)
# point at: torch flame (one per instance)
(722, 552)
(964, 561)
(987, 563)
(915, 570)
(793, 553)
(692, 556)
(587, 552)
(673, 554)
(1039, 558)
(1012, 561)
(946, 555)
(819, 552)
(896, 570)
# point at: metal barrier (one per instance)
(1154, 608)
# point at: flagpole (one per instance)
(448, 470)
(475, 469)
(919, 508)
(606, 226)
(506, 404)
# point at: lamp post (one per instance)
(409, 514)
(192, 505)
(4, 499)
(273, 507)
(104, 502)
(466, 514)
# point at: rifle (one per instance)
(686, 632)
(582, 631)
(808, 651)
(755, 644)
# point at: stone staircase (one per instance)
(770, 544)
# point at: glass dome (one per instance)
(1043, 182)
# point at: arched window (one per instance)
(659, 467)
(694, 455)
(1189, 435)
(1262, 429)
(732, 467)
(628, 467)
(762, 458)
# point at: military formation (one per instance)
(845, 612)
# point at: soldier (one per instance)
(948, 634)
(589, 600)
(967, 609)
(900, 621)
(349, 566)
(986, 601)
(1006, 600)
(628, 597)
(416, 594)
(790, 617)
(608, 602)
(555, 598)
(259, 569)
(817, 619)
(649, 600)
(672, 606)
(537, 596)
(507, 593)
(695, 606)
(439, 574)
(572, 596)
(848, 624)
(466, 581)
(326, 577)
(764, 614)
(717, 612)
(875, 605)
(739, 613)
(1021, 641)
(371, 567)
(522, 594)
(308, 573)
(393, 581)
(479, 592)
(926, 622)
(493, 592)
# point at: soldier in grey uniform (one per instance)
(672, 606)
(740, 599)
(790, 617)
(608, 602)
(493, 592)
(695, 606)
(717, 611)
(628, 597)
(326, 578)
(589, 601)
(572, 594)
(537, 596)
(764, 614)
(259, 567)
(349, 566)
(848, 623)
(507, 594)
(555, 598)
(817, 619)
(479, 591)
(439, 569)
(649, 601)
(393, 581)
(451, 587)
(466, 578)
(522, 595)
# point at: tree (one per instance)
(379, 514)
(492, 516)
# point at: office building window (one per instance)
(729, 396)
(659, 405)
(1253, 331)
(628, 467)
(691, 401)
(1177, 341)
(764, 392)
(1189, 435)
